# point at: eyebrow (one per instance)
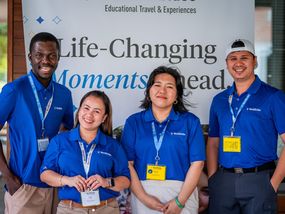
(92, 108)
(243, 55)
(159, 81)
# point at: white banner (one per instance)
(114, 45)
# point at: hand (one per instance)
(76, 181)
(96, 181)
(171, 208)
(153, 203)
(275, 186)
(203, 199)
(13, 183)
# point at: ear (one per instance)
(256, 63)
(30, 57)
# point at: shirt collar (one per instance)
(149, 117)
(251, 90)
(74, 135)
(38, 84)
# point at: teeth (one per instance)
(88, 121)
(45, 68)
(239, 69)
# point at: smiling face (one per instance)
(163, 92)
(91, 114)
(241, 65)
(44, 58)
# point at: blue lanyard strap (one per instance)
(158, 142)
(234, 118)
(42, 116)
(86, 160)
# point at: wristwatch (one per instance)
(111, 182)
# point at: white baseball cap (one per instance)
(240, 45)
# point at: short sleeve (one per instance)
(50, 161)
(121, 163)
(214, 129)
(278, 111)
(8, 99)
(129, 138)
(68, 118)
(196, 141)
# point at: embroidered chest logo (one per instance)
(178, 133)
(104, 153)
(58, 108)
(253, 109)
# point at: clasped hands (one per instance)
(169, 207)
(82, 184)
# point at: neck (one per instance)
(87, 135)
(44, 82)
(160, 114)
(242, 86)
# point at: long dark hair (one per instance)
(181, 103)
(106, 126)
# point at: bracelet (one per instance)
(178, 203)
(60, 180)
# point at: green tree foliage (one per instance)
(3, 52)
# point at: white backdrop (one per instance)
(114, 45)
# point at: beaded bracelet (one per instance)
(178, 203)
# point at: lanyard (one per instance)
(234, 118)
(42, 116)
(86, 160)
(158, 142)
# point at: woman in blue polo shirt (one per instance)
(88, 166)
(165, 148)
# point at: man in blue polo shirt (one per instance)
(245, 121)
(36, 108)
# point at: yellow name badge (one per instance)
(155, 172)
(232, 144)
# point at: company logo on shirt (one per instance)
(104, 153)
(178, 133)
(253, 109)
(58, 108)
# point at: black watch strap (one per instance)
(112, 182)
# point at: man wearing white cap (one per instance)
(245, 121)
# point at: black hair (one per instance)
(238, 44)
(44, 37)
(181, 103)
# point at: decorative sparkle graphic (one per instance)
(25, 19)
(57, 20)
(40, 20)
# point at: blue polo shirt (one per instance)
(64, 157)
(258, 124)
(182, 144)
(18, 108)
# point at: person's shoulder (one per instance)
(222, 94)
(269, 92)
(221, 97)
(17, 85)
(269, 88)
(189, 116)
(136, 116)
(111, 141)
(61, 135)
